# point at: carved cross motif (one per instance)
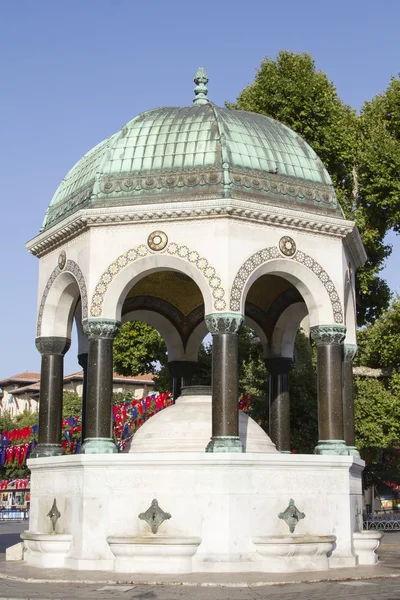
(291, 515)
(154, 516)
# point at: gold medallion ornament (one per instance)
(287, 246)
(157, 240)
(62, 259)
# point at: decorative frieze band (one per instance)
(328, 335)
(224, 322)
(261, 213)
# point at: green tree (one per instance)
(379, 343)
(361, 153)
(72, 405)
(377, 412)
(138, 349)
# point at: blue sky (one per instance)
(74, 71)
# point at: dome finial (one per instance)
(201, 89)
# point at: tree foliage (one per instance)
(72, 404)
(361, 153)
(379, 344)
(138, 349)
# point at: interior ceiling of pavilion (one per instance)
(178, 298)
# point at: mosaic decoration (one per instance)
(154, 516)
(291, 515)
(206, 268)
(262, 256)
(62, 259)
(70, 267)
(191, 256)
(184, 325)
(287, 246)
(157, 240)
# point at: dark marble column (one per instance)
(279, 401)
(329, 340)
(83, 361)
(224, 328)
(98, 438)
(52, 350)
(182, 372)
(349, 352)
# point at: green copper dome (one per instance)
(193, 153)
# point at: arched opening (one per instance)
(275, 308)
(172, 303)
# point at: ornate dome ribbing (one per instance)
(197, 152)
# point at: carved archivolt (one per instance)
(191, 256)
(263, 256)
(70, 267)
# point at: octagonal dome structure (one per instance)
(174, 154)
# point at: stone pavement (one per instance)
(383, 581)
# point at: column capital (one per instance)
(224, 322)
(278, 365)
(52, 345)
(328, 335)
(101, 328)
(349, 352)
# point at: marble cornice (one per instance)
(242, 210)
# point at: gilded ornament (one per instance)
(157, 240)
(287, 246)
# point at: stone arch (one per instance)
(164, 327)
(305, 273)
(59, 298)
(285, 330)
(194, 341)
(137, 262)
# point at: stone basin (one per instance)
(365, 545)
(292, 553)
(156, 554)
(47, 550)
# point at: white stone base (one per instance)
(289, 553)
(15, 552)
(365, 545)
(226, 500)
(139, 555)
(46, 550)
